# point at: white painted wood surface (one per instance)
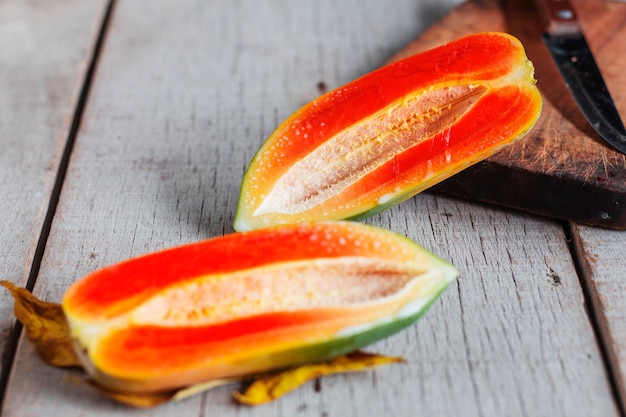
(603, 266)
(184, 94)
(44, 52)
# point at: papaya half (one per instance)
(392, 133)
(246, 303)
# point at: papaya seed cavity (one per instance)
(296, 286)
(351, 154)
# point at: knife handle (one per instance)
(559, 17)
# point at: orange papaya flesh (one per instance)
(247, 303)
(392, 133)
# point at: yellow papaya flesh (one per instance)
(392, 133)
(247, 303)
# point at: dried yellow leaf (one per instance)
(269, 388)
(146, 400)
(46, 327)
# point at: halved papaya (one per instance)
(249, 302)
(392, 133)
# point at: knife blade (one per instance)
(566, 42)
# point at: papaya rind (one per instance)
(517, 70)
(345, 342)
(287, 349)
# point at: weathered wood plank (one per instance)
(603, 265)
(46, 47)
(184, 95)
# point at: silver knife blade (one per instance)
(567, 44)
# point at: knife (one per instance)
(564, 39)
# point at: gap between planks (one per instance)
(596, 318)
(13, 339)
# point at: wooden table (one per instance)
(126, 126)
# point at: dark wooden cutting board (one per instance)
(562, 168)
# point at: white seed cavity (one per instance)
(348, 156)
(304, 285)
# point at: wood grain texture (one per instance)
(184, 95)
(604, 269)
(562, 168)
(45, 52)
